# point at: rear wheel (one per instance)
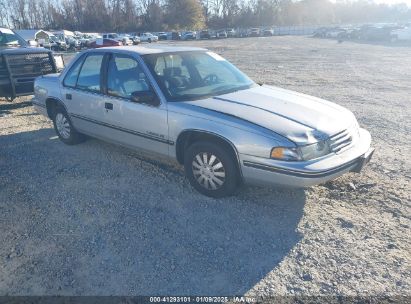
(64, 128)
(211, 169)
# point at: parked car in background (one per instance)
(242, 33)
(175, 36)
(49, 43)
(403, 34)
(231, 33)
(21, 63)
(193, 107)
(205, 34)
(73, 43)
(213, 34)
(268, 32)
(104, 42)
(189, 36)
(335, 33)
(136, 40)
(320, 32)
(85, 40)
(375, 33)
(148, 37)
(162, 36)
(58, 43)
(113, 36)
(126, 40)
(254, 32)
(221, 34)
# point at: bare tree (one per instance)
(135, 15)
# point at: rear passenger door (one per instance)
(136, 124)
(84, 98)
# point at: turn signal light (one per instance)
(277, 153)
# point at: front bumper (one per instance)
(39, 107)
(257, 170)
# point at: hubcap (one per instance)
(63, 126)
(208, 170)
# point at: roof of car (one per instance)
(153, 49)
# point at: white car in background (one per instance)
(113, 36)
(148, 37)
(136, 40)
(403, 34)
(127, 40)
(189, 35)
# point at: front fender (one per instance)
(244, 139)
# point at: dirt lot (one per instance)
(97, 219)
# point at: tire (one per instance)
(149, 40)
(64, 128)
(211, 169)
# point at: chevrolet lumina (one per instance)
(192, 106)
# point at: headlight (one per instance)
(316, 150)
(282, 153)
(308, 152)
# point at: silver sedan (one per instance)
(191, 106)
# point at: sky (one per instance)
(389, 2)
(408, 2)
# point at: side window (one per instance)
(71, 77)
(125, 77)
(89, 77)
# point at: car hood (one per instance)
(301, 118)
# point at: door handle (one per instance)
(68, 96)
(108, 106)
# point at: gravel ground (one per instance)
(97, 219)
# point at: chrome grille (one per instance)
(340, 141)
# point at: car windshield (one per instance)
(9, 38)
(184, 76)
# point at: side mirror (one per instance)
(148, 97)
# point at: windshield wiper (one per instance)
(234, 89)
(189, 97)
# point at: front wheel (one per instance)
(211, 169)
(64, 128)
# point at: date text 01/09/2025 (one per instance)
(202, 299)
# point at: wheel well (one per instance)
(51, 105)
(187, 138)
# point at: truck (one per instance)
(20, 64)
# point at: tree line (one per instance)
(158, 15)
